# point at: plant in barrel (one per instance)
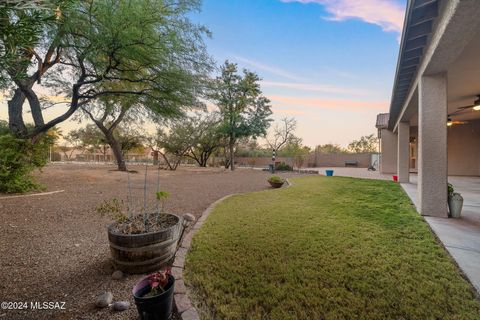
(146, 239)
(276, 181)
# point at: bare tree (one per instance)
(281, 135)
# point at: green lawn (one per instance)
(325, 248)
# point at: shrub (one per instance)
(276, 179)
(284, 167)
(450, 189)
(113, 208)
(18, 158)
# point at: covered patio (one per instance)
(431, 135)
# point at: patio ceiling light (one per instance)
(476, 104)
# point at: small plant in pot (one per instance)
(154, 295)
(276, 181)
(455, 202)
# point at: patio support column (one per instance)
(432, 145)
(403, 153)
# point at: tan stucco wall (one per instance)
(464, 149)
(388, 160)
(338, 159)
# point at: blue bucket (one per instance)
(329, 173)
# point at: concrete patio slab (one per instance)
(461, 237)
(354, 172)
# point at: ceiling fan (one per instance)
(475, 106)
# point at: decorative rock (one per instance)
(187, 240)
(189, 217)
(117, 275)
(104, 300)
(180, 287)
(190, 314)
(182, 302)
(121, 305)
(177, 273)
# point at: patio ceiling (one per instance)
(463, 85)
(418, 26)
(464, 82)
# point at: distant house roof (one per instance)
(382, 120)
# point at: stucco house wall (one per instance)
(388, 146)
(464, 149)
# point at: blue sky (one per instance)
(328, 63)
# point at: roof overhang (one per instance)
(418, 26)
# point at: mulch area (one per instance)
(55, 247)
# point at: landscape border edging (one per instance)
(182, 301)
(180, 295)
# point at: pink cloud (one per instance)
(327, 88)
(290, 112)
(333, 104)
(388, 14)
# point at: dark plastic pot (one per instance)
(276, 184)
(157, 307)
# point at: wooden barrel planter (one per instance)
(145, 252)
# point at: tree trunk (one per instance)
(167, 162)
(203, 159)
(117, 151)
(15, 110)
(155, 158)
(231, 145)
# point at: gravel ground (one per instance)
(55, 247)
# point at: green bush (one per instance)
(18, 158)
(283, 167)
(276, 179)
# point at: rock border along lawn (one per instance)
(184, 305)
(182, 301)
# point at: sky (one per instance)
(330, 64)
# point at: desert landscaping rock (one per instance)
(104, 300)
(117, 275)
(121, 305)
